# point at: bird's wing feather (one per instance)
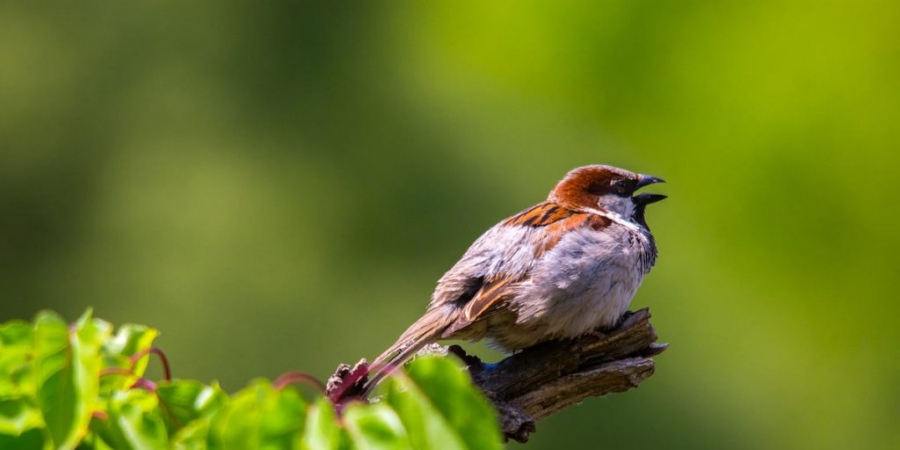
(490, 271)
(501, 259)
(489, 294)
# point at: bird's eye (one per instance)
(620, 187)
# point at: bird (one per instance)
(561, 269)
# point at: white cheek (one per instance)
(622, 206)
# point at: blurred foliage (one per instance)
(81, 386)
(278, 187)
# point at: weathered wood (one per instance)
(545, 379)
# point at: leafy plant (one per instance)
(82, 386)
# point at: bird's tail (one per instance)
(424, 331)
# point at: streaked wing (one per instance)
(491, 293)
(502, 258)
(540, 215)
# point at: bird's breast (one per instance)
(586, 281)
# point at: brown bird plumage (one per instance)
(557, 270)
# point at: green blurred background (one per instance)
(278, 187)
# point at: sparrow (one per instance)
(560, 269)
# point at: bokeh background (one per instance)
(278, 186)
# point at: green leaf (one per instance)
(135, 421)
(21, 424)
(442, 409)
(193, 436)
(16, 333)
(67, 367)
(427, 427)
(51, 386)
(322, 428)
(33, 439)
(375, 427)
(16, 353)
(100, 437)
(260, 417)
(186, 401)
(129, 340)
(91, 443)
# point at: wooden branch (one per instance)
(545, 379)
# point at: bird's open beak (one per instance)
(646, 199)
(646, 180)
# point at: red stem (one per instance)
(297, 377)
(167, 374)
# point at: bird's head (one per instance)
(608, 188)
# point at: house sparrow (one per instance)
(557, 270)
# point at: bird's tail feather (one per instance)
(424, 331)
